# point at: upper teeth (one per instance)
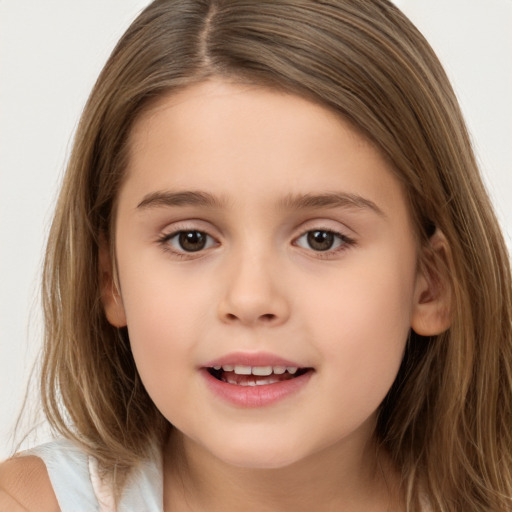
(257, 370)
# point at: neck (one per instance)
(341, 478)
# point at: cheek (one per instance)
(166, 321)
(162, 303)
(362, 325)
(163, 349)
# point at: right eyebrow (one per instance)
(185, 198)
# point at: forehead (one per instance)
(219, 136)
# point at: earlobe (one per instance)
(432, 308)
(110, 296)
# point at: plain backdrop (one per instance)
(50, 54)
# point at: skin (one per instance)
(259, 285)
(25, 486)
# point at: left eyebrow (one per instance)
(330, 200)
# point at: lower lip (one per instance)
(255, 396)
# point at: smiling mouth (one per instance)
(256, 375)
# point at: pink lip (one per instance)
(255, 359)
(254, 396)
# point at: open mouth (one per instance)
(256, 375)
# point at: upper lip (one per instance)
(252, 359)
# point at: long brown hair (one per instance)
(447, 420)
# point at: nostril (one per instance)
(267, 317)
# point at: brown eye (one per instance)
(187, 241)
(192, 241)
(323, 240)
(320, 240)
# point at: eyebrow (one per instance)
(185, 198)
(330, 200)
(291, 202)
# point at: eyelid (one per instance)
(171, 232)
(345, 241)
(175, 236)
(341, 238)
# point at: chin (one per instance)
(258, 455)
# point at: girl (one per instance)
(274, 280)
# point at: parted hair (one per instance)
(447, 420)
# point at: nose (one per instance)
(254, 294)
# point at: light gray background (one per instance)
(50, 54)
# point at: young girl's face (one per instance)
(257, 231)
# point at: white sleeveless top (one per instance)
(76, 482)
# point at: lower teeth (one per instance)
(259, 382)
(253, 380)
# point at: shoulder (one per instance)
(25, 486)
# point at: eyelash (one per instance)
(165, 239)
(344, 242)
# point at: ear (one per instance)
(110, 296)
(432, 309)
